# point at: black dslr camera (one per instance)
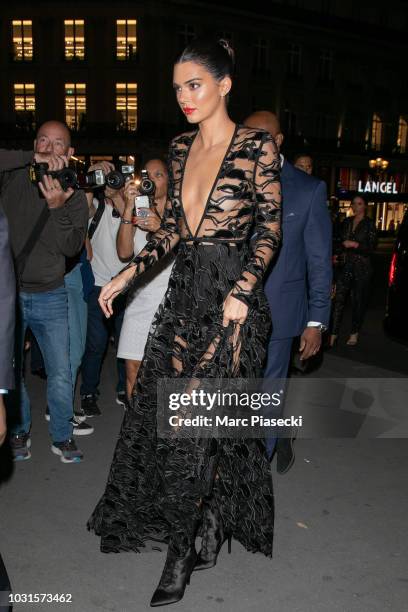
(67, 177)
(117, 178)
(147, 186)
(147, 189)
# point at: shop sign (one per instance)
(377, 187)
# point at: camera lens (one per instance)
(147, 186)
(115, 179)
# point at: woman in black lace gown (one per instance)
(356, 242)
(213, 322)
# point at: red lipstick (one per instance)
(187, 110)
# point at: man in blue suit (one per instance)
(298, 283)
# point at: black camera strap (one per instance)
(97, 216)
(21, 258)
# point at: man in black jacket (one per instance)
(42, 294)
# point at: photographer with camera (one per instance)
(148, 201)
(108, 206)
(47, 224)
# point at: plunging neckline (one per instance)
(213, 185)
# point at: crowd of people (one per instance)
(234, 254)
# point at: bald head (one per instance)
(53, 137)
(56, 127)
(268, 121)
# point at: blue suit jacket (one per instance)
(298, 283)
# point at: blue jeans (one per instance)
(46, 314)
(77, 319)
(97, 336)
(275, 373)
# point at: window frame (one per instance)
(21, 23)
(128, 58)
(126, 95)
(74, 58)
(77, 127)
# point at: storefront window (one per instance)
(402, 138)
(74, 39)
(126, 44)
(376, 132)
(22, 40)
(126, 106)
(75, 105)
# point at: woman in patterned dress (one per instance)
(223, 213)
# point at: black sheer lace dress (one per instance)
(155, 485)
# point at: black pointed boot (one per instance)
(213, 538)
(175, 577)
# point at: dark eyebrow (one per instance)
(189, 81)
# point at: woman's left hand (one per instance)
(234, 311)
(150, 223)
(350, 244)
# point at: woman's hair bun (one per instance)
(225, 44)
(216, 56)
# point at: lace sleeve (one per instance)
(267, 220)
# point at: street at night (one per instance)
(203, 306)
(340, 514)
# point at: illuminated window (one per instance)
(22, 40)
(75, 105)
(74, 39)
(376, 132)
(126, 106)
(24, 105)
(402, 138)
(126, 39)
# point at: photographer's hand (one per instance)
(130, 192)
(150, 223)
(105, 166)
(53, 192)
(55, 162)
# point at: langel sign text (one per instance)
(377, 187)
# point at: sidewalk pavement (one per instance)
(340, 543)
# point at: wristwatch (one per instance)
(322, 328)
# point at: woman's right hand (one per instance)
(112, 289)
(131, 191)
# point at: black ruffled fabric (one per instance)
(155, 485)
